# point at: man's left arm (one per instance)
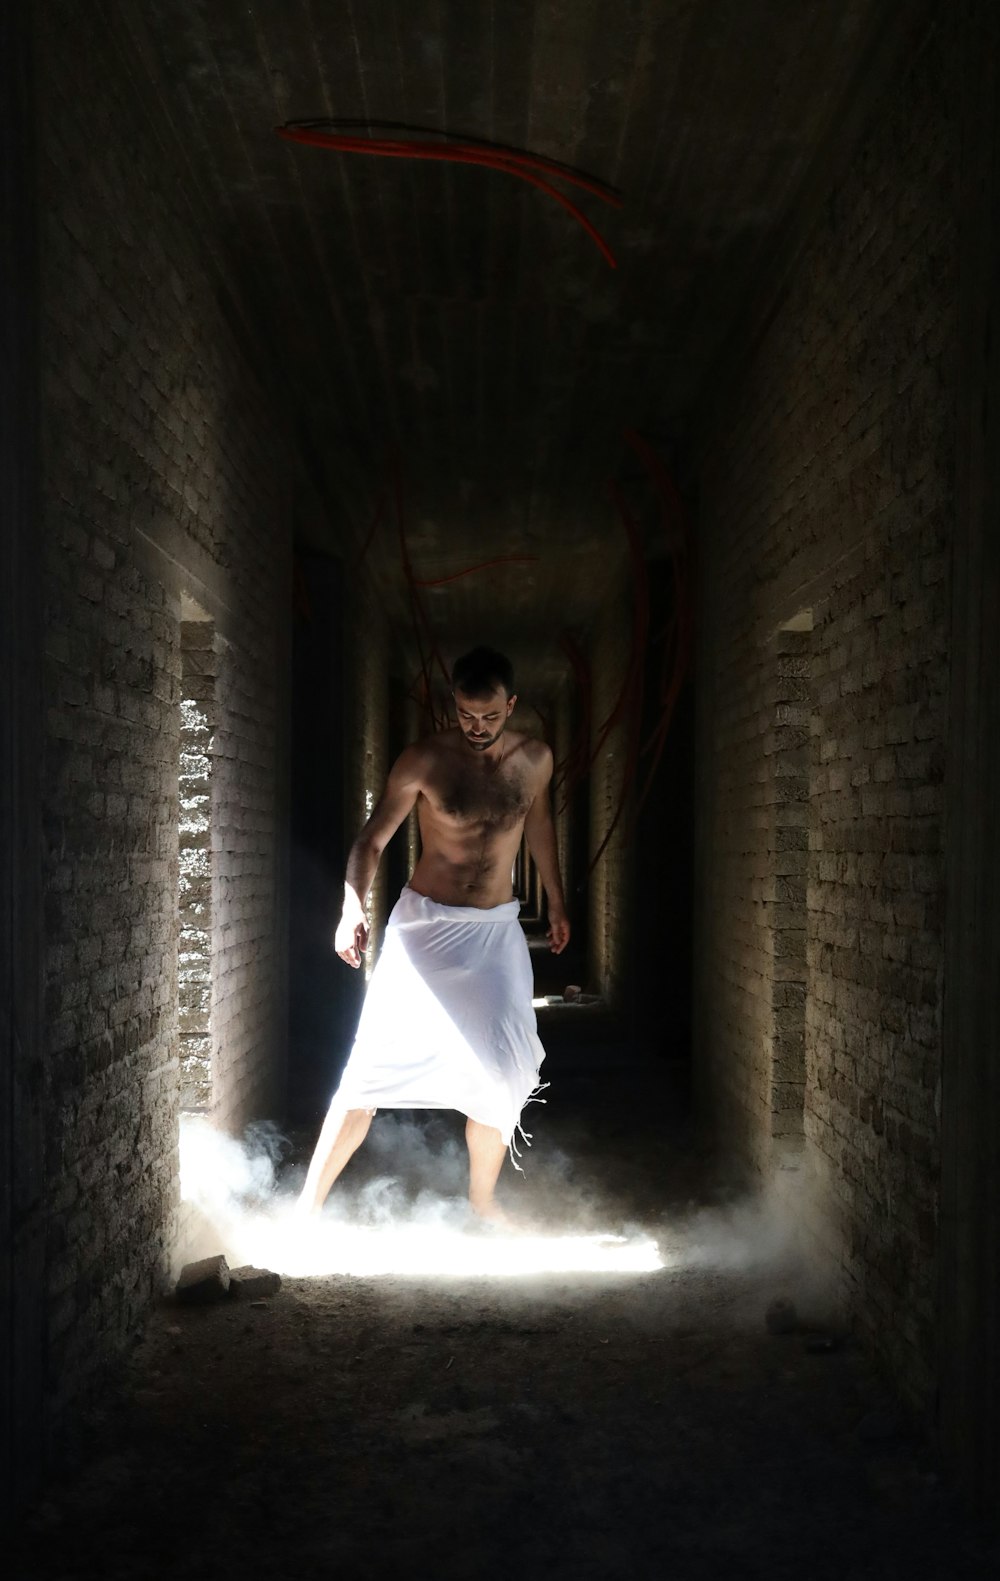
(540, 833)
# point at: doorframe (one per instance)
(969, 1267)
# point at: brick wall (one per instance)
(161, 475)
(827, 486)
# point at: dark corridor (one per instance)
(653, 344)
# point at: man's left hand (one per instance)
(558, 933)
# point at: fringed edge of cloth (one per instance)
(513, 1151)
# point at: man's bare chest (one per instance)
(480, 797)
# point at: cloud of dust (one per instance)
(400, 1207)
(773, 1234)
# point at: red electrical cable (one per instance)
(461, 154)
(574, 766)
(301, 601)
(677, 640)
(362, 554)
(680, 632)
(504, 559)
(630, 699)
(408, 575)
(486, 151)
(640, 620)
(418, 613)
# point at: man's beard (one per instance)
(487, 742)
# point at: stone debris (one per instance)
(781, 1317)
(204, 1281)
(573, 994)
(253, 1282)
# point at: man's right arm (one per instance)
(397, 800)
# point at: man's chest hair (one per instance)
(473, 793)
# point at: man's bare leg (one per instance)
(343, 1132)
(487, 1151)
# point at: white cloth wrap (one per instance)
(447, 1021)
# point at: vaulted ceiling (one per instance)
(460, 320)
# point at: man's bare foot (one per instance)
(306, 1208)
(490, 1212)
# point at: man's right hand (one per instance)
(351, 938)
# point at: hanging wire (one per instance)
(463, 151)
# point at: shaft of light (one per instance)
(411, 1249)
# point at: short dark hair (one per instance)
(480, 671)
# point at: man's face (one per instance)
(483, 720)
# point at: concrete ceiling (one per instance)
(461, 320)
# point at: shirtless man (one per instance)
(476, 788)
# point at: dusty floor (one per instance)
(574, 1425)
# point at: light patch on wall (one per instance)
(194, 853)
(368, 959)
